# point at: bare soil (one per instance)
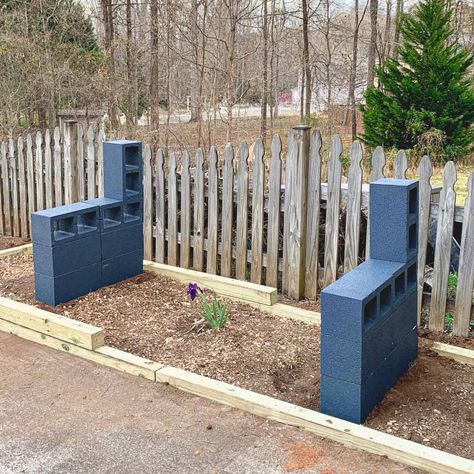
(151, 316)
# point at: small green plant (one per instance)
(215, 314)
(452, 285)
(448, 321)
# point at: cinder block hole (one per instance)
(370, 311)
(63, 228)
(411, 276)
(412, 237)
(131, 212)
(132, 156)
(399, 285)
(413, 201)
(112, 217)
(132, 183)
(385, 299)
(87, 222)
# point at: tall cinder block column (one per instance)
(122, 243)
(394, 219)
(66, 252)
(369, 316)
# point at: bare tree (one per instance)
(374, 5)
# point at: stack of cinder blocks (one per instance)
(369, 316)
(83, 246)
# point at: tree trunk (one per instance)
(130, 113)
(193, 27)
(352, 79)
(396, 36)
(154, 86)
(307, 66)
(373, 42)
(264, 98)
(108, 21)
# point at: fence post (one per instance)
(296, 193)
(71, 188)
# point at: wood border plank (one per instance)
(60, 327)
(349, 434)
(26, 249)
(459, 354)
(105, 355)
(224, 286)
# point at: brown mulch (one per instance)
(9, 242)
(151, 316)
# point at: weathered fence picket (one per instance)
(14, 187)
(22, 190)
(48, 170)
(172, 212)
(466, 266)
(227, 210)
(198, 228)
(160, 208)
(332, 212)
(258, 190)
(274, 200)
(248, 219)
(185, 245)
(425, 172)
(312, 223)
(58, 169)
(444, 236)
(6, 189)
(91, 186)
(147, 205)
(242, 212)
(212, 211)
(354, 197)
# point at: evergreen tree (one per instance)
(426, 92)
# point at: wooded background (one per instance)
(157, 57)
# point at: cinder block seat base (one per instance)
(63, 288)
(354, 401)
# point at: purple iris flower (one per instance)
(193, 289)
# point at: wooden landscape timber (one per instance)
(104, 355)
(26, 249)
(68, 330)
(459, 354)
(349, 434)
(241, 290)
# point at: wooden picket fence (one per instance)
(250, 214)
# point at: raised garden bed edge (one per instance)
(54, 331)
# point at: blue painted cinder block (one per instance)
(369, 316)
(63, 288)
(67, 257)
(123, 170)
(121, 268)
(124, 240)
(65, 223)
(354, 402)
(133, 212)
(350, 305)
(393, 219)
(353, 361)
(80, 247)
(110, 213)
